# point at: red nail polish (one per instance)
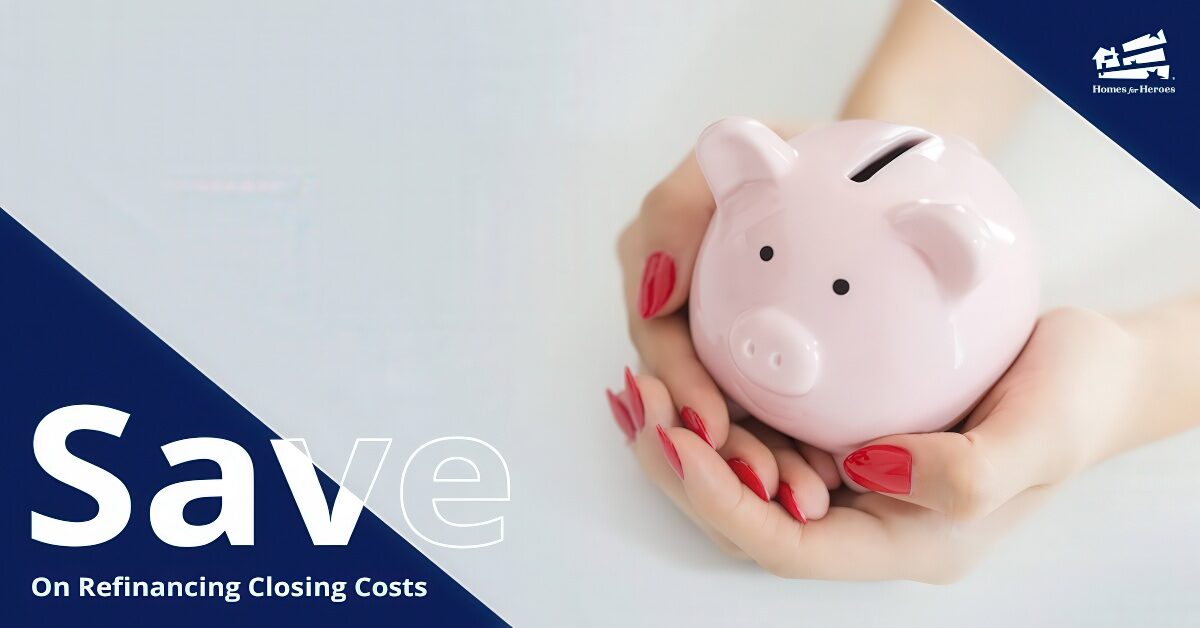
(620, 415)
(881, 468)
(788, 500)
(748, 477)
(658, 280)
(637, 410)
(696, 424)
(669, 451)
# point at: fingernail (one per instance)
(746, 474)
(881, 468)
(696, 424)
(620, 415)
(669, 451)
(658, 280)
(636, 409)
(788, 500)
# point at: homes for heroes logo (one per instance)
(1143, 58)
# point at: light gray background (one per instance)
(398, 220)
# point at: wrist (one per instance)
(1168, 373)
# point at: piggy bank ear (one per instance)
(955, 242)
(737, 151)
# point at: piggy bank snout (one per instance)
(773, 350)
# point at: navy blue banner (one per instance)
(1131, 69)
(66, 343)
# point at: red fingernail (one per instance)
(881, 468)
(669, 451)
(636, 409)
(788, 500)
(620, 415)
(748, 477)
(696, 424)
(658, 280)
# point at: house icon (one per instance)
(1106, 58)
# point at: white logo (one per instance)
(1140, 59)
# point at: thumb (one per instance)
(964, 475)
(659, 249)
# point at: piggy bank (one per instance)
(861, 280)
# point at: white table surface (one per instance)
(397, 219)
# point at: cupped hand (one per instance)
(848, 536)
(1071, 399)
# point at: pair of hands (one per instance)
(942, 497)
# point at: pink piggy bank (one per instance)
(861, 280)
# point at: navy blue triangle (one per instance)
(1056, 42)
(65, 342)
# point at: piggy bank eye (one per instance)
(766, 253)
(841, 286)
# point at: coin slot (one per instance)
(886, 155)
